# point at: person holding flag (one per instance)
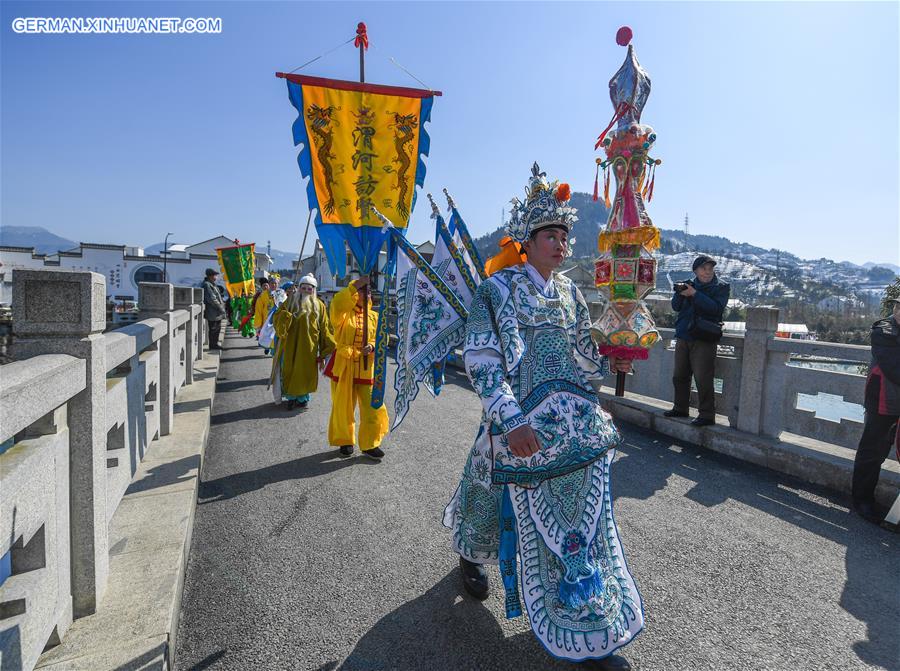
(351, 370)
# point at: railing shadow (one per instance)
(311, 466)
(236, 385)
(192, 406)
(249, 357)
(144, 661)
(165, 474)
(11, 646)
(871, 592)
(266, 410)
(236, 342)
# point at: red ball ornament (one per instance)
(623, 36)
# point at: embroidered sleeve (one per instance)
(485, 360)
(587, 355)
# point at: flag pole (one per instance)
(362, 41)
(620, 383)
(302, 247)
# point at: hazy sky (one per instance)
(777, 122)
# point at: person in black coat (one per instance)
(704, 296)
(213, 307)
(882, 404)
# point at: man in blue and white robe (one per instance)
(530, 357)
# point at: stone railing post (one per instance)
(762, 323)
(184, 300)
(157, 299)
(202, 336)
(64, 312)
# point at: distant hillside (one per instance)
(43, 241)
(753, 271)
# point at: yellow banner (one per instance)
(364, 151)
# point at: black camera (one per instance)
(680, 286)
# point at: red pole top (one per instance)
(362, 37)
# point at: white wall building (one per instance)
(124, 267)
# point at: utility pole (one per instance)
(687, 228)
(166, 258)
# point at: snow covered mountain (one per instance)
(754, 272)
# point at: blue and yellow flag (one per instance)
(362, 147)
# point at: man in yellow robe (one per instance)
(262, 303)
(305, 339)
(351, 370)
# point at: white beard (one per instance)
(307, 302)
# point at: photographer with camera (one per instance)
(700, 304)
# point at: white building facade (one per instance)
(124, 267)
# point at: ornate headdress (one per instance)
(545, 205)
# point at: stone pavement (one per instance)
(302, 560)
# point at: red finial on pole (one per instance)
(362, 43)
(362, 37)
(623, 36)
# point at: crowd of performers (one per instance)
(306, 338)
(534, 493)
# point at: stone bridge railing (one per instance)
(772, 404)
(79, 409)
(759, 391)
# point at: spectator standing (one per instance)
(700, 304)
(213, 307)
(882, 404)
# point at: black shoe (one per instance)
(266, 352)
(346, 450)
(869, 511)
(611, 663)
(375, 453)
(475, 579)
(290, 405)
(674, 413)
(302, 404)
(702, 421)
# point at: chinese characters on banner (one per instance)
(361, 147)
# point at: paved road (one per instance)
(302, 560)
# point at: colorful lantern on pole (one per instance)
(626, 268)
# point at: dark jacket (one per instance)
(214, 306)
(883, 383)
(709, 302)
